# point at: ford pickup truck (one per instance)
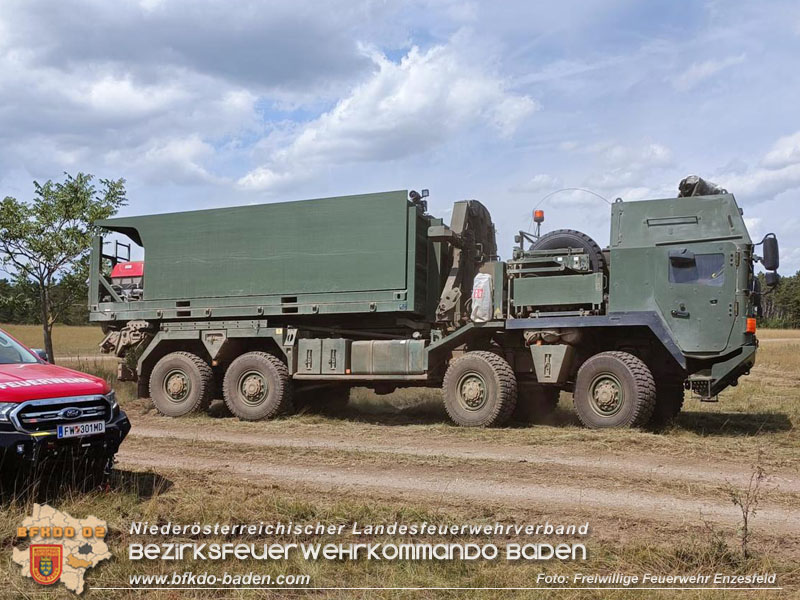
(54, 416)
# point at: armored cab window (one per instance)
(702, 269)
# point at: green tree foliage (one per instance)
(45, 243)
(781, 305)
(20, 302)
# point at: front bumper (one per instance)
(20, 450)
(709, 382)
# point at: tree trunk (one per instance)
(47, 325)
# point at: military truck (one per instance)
(280, 305)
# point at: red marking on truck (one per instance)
(47, 381)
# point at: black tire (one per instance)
(569, 238)
(181, 383)
(327, 399)
(535, 402)
(480, 390)
(257, 387)
(669, 402)
(614, 389)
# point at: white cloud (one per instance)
(785, 152)
(404, 109)
(264, 178)
(764, 184)
(778, 173)
(111, 95)
(538, 184)
(699, 72)
(632, 171)
(177, 160)
(636, 157)
(753, 225)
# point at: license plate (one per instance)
(81, 429)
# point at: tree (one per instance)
(781, 305)
(47, 241)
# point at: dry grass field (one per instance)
(657, 501)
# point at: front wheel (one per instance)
(257, 386)
(480, 390)
(181, 383)
(614, 389)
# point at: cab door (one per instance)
(696, 290)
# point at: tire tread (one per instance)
(646, 402)
(206, 381)
(285, 405)
(507, 391)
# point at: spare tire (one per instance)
(569, 238)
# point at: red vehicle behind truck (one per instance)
(51, 415)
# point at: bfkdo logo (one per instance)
(46, 562)
(61, 548)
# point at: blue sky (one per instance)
(203, 104)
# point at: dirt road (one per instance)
(414, 464)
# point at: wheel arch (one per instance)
(615, 327)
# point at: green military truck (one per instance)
(280, 305)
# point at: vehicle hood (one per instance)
(37, 381)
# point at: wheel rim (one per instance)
(253, 388)
(606, 395)
(177, 386)
(472, 391)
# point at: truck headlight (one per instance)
(5, 411)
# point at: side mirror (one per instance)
(771, 259)
(771, 278)
(41, 354)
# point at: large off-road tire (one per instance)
(181, 383)
(569, 238)
(480, 390)
(614, 389)
(669, 401)
(535, 402)
(257, 386)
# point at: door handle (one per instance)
(680, 314)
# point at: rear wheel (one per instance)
(614, 389)
(257, 386)
(480, 390)
(535, 402)
(181, 383)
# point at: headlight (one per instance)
(5, 410)
(112, 400)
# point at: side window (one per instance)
(705, 269)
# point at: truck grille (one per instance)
(46, 415)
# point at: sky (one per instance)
(201, 104)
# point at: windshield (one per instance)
(12, 352)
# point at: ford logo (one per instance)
(70, 413)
